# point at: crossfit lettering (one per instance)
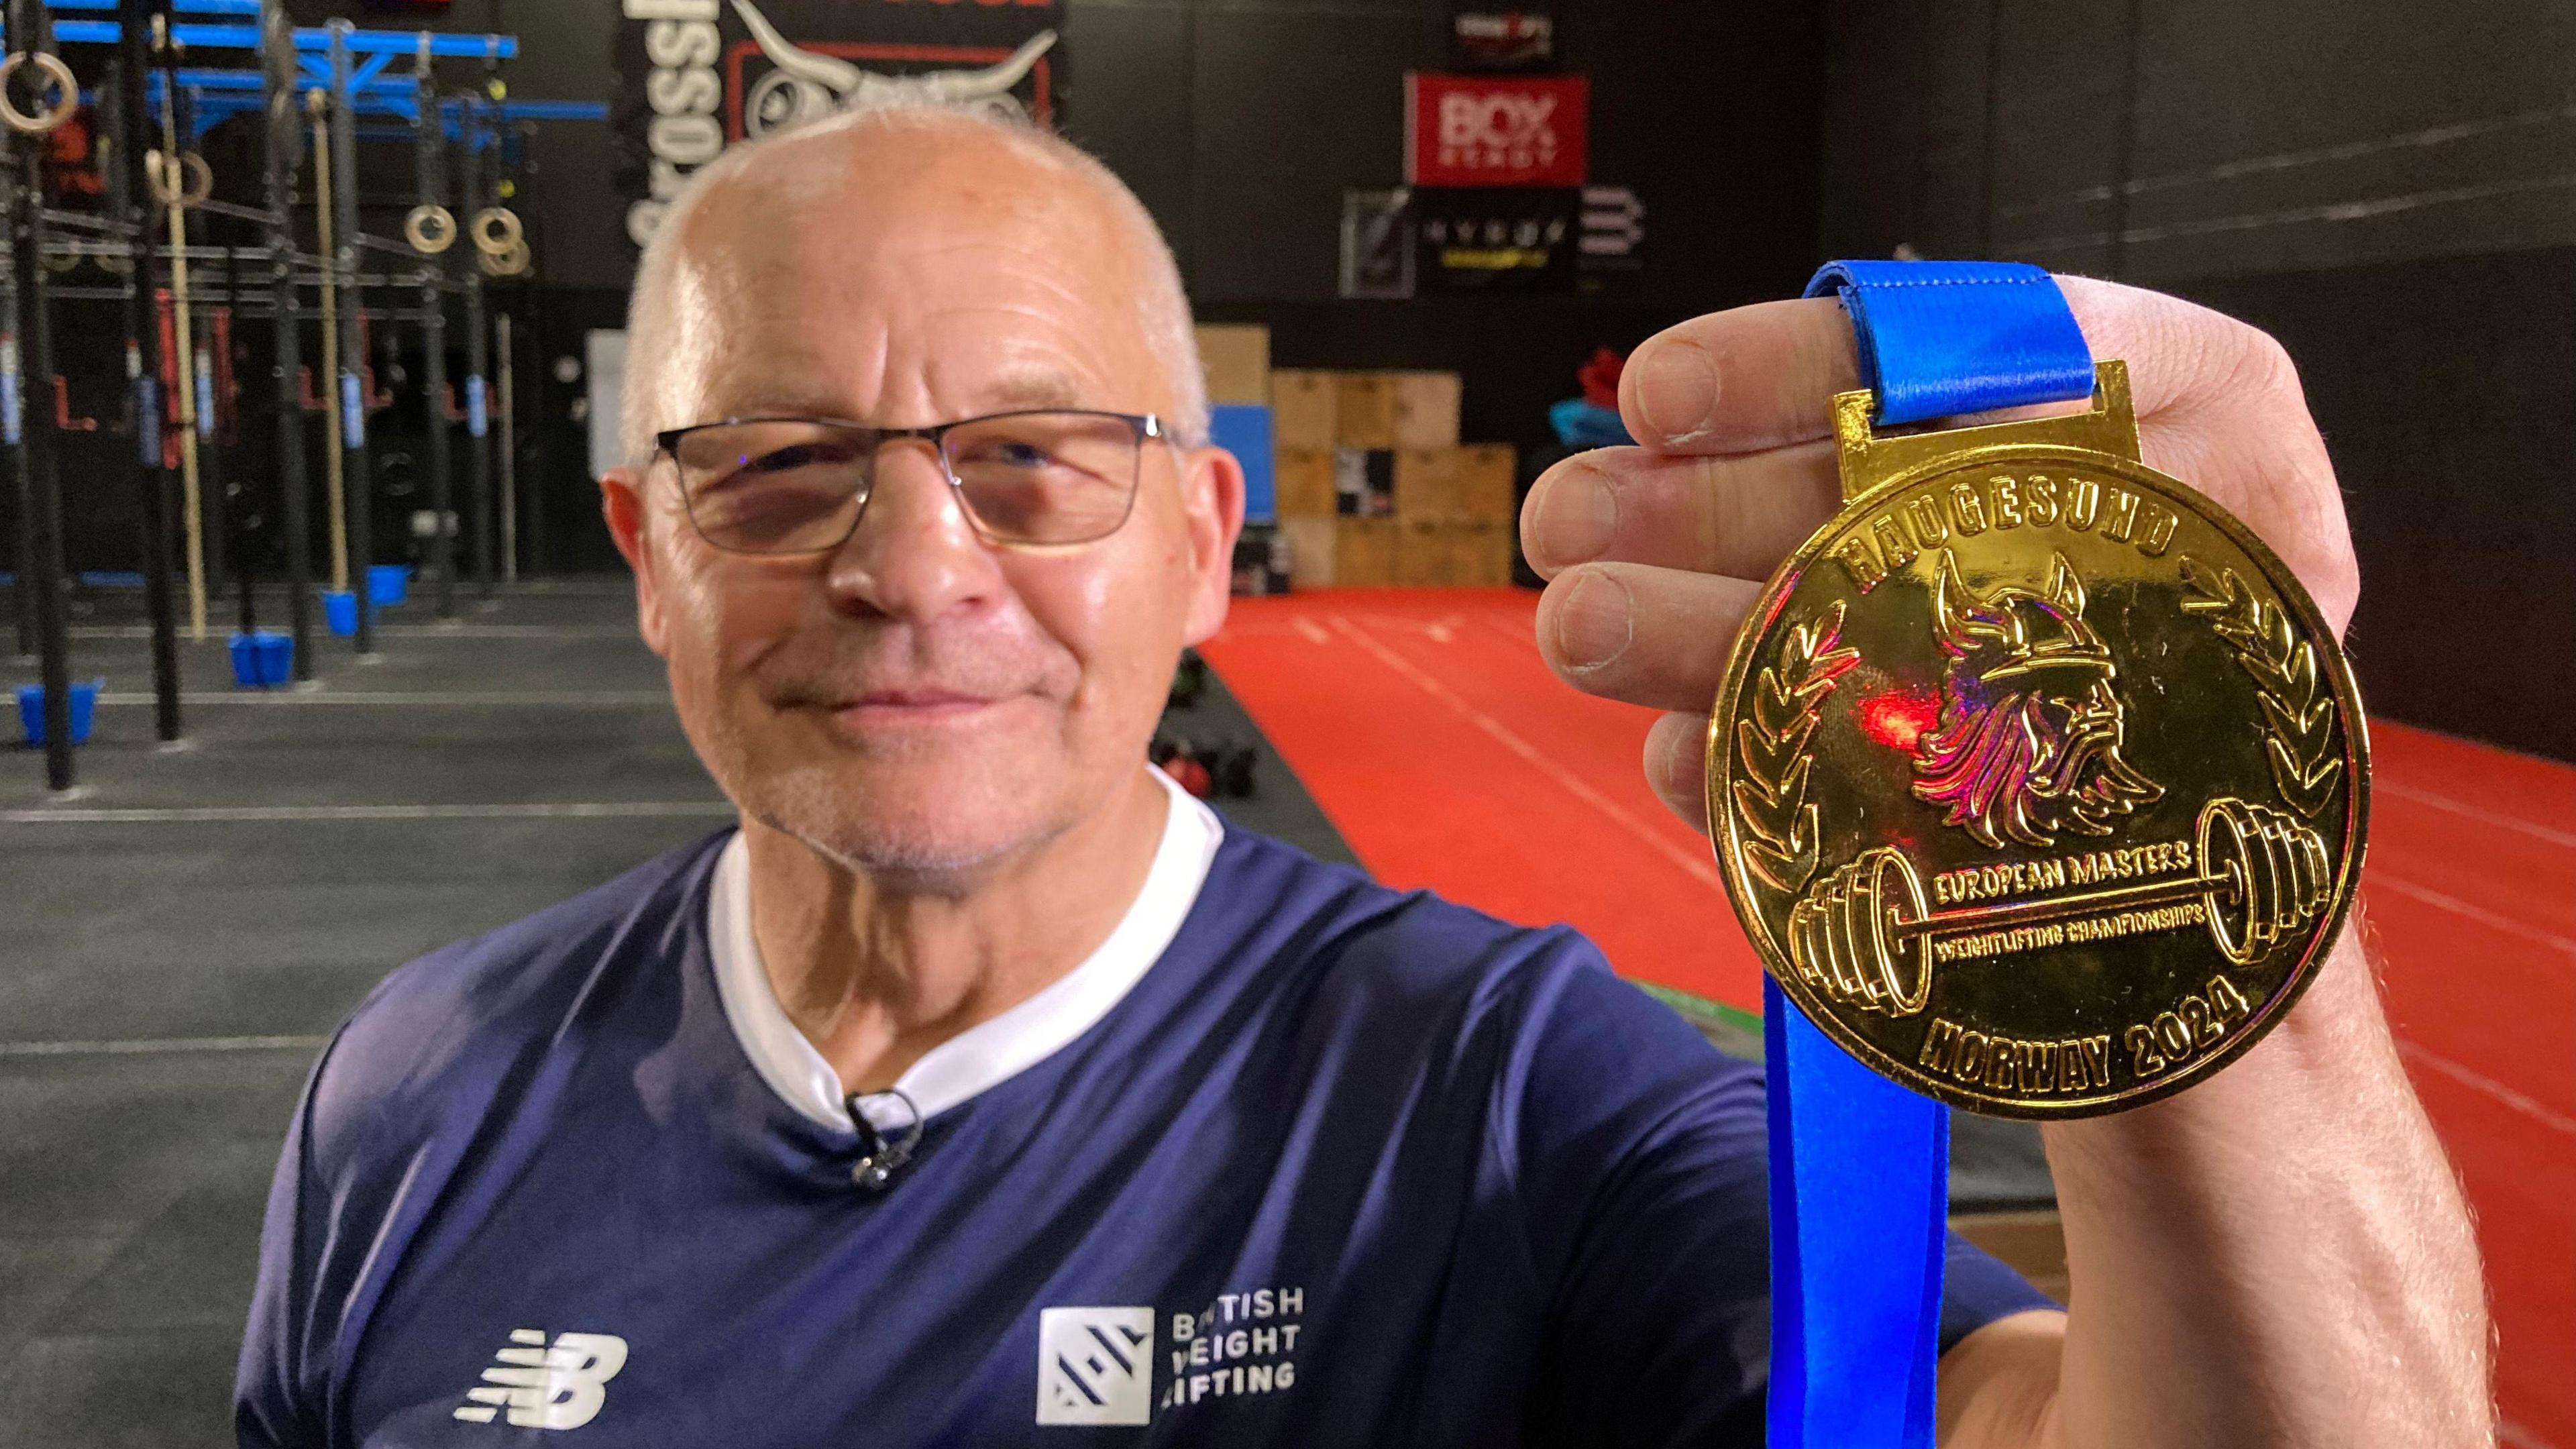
(681, 41)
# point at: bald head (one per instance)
(864, 185)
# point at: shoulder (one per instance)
(439, 1033)
(1350, 932)
(1543, 998)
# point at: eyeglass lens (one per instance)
(798, 487)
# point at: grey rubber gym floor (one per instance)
(177, 940)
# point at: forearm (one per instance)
(2278, 1256)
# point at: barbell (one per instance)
(58, 82)
(1863, 935)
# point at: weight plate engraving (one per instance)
(2037, 780)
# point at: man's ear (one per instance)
(622, 503)
(1212, 492)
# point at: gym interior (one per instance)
(324, 657)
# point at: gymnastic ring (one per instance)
(59, 262)
(193, 183)
(430, 228)
(497, 230)
(61, 80)
(118, 263)
(508, 263)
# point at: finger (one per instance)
(1650, 636)
(1765, 376)
(1733, 382)
(1677, 763)
(1736, 516)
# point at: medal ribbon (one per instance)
(1860, 1167)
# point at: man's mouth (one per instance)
(922, 705)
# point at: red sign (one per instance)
(1476, 130)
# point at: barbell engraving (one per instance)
(1865, 935)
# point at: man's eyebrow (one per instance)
(1030, 390)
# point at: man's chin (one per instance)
(923, 830)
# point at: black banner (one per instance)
(1484, 37)
(1496, 238)
(696, 76)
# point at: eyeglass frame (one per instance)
(1146, 426)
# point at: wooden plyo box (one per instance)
(1363, 552)
(1365, 408)
(1467, 484)
(1236, 360)
(1310, 551)
(1305, 407)
(1305, 482)
(1448, 553)
(1426, 409)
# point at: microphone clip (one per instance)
(882, 1153)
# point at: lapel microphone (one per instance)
(882, 1151)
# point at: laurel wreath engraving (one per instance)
(2298, 707)
(1771, 746)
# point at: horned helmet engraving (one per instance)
(807, 85)
(2032, 725)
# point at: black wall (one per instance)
(1240, 123)
(2385, 187)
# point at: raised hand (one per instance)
(1653, 553)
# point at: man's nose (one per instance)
(915, 554)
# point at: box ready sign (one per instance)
(1490, 130)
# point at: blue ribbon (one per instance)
(1860, 1187)
(1860, 1167)
(1938, 339)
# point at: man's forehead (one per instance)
(908, 275)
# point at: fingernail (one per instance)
(1595, 624)
(1677, 390)
(1577, 516)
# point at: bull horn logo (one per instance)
(807, 85)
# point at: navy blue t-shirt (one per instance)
(1347, 1166)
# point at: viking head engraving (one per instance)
(807, 85)
(2031, 723)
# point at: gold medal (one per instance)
(2036, 779)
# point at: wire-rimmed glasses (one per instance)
(1036, 478)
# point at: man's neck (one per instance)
(875, 976)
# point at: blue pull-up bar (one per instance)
(183, 7)
(246, 37)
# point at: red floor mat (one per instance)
(1425, 726)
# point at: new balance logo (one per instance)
(560, 1387)
(1095, 1365)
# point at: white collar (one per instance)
(990, 1052)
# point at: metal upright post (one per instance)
(353, 353)
(13, 393)
(285, 151)
(44, 518)
(140, 23)
(429, 162)
(210, 464)
(508, 409)
(478, 360)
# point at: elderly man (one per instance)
(982, 1088)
